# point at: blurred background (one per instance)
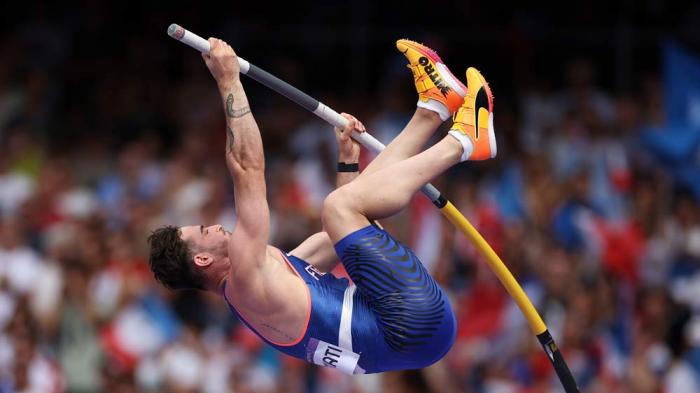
(109, 129)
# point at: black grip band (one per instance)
(343, 167)
(554, 355)
(306, 101)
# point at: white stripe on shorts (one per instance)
(345, 331)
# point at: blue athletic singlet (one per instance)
(395, 317)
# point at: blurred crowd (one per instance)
(584, 204)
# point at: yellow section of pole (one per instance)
(496, 264)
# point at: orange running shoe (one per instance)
(473, 122)
(438, 90)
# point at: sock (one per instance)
(453, 82)
(467, 145)
(435, 106)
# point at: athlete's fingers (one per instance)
(338, 130)
(353, 123)
(348, 127)
(356, 125)
(213, 44)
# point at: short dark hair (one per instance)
(170, 259)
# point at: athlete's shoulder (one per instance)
(272, 287)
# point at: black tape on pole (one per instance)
(560, 367)
(440, 202)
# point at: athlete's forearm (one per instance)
(343, 178)
(318, 251)
(244, 149)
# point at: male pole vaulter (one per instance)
(395, 316)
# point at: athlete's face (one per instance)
(209, 245)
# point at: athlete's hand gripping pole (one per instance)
(446, 207)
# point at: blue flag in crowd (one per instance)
(682, 80)
(677, 145)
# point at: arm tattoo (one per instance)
(229, 139)
(229, 105)
(278, 331)
(235, 113)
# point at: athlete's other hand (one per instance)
(222, 62)
(348, 148)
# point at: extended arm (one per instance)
(348, 149)
(318, 249)
(245, 161)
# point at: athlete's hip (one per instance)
(389, 336)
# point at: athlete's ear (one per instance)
(203, 259)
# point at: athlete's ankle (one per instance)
(428, 115)
(436, 107)
(465, 145)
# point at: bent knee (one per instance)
(340, 213)
(336, 206)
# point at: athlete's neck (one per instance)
(221, 282)
(216, 277)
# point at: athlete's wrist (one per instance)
(229, 84)
(348, 157)
(348, 167)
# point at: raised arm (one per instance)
(348, 149)
(318, 249)
(244, 158)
